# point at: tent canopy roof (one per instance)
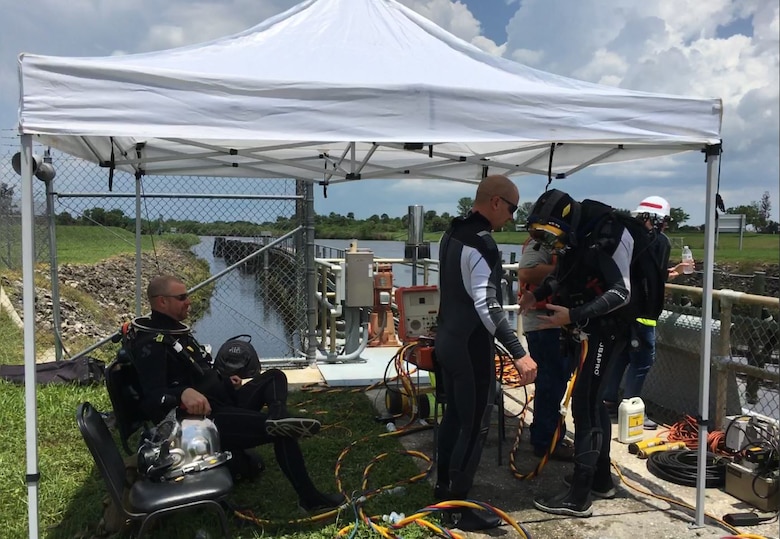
(341, 90)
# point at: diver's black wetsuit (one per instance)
(169, 360)
(470, 316)
(594, 283)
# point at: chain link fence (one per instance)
(263, 297)
(744, 356)
(10, 214)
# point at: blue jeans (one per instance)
(553, 371)
(635, 362)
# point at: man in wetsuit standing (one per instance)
(590, 288)
(470, 318)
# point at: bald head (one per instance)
(496, 200)
(496, 185)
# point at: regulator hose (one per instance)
(680, 467)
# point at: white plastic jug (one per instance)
(631, 420)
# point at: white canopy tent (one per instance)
(334, 91)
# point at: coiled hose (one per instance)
(680, 467)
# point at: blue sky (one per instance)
(720, 48)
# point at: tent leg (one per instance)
(713, 155)
(28, 300)
(311, 272)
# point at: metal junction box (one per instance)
(359, 279)
(762, 492)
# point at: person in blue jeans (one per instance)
(638, 357)
(554, 368)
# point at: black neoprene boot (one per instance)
(320, 501)
(441, 492)
(575, 500)
(602, 479)
(603, 484)
(471, 520)
(277, 410)
(468, 519)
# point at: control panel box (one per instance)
(359, 279)
(418, 307)
(761, 491)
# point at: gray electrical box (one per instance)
(359, 279)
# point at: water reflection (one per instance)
(237, 307)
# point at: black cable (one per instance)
(680, 467)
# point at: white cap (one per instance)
(655, 205)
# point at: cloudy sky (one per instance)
(719, 48)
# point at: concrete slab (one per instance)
(375, 365)
(634, 512)
(644, 506)
(297, 378)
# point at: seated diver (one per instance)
(174, 370)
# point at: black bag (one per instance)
(237, 357)
(649, 262)
(649, 269)
(83, 371)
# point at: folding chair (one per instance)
(148, 500)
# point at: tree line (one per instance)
(333, 225)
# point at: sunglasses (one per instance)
(180, 297)
(511, 207)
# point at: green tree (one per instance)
(7, 205)
(464, 206)
(764, 210)
(750, 211)
(65, 218)
(678, 216)
(94, 216)
(523, 211)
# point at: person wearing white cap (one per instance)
(639, 356)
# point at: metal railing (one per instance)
(745, 353)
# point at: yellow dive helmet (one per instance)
(553, 219)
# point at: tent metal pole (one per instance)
(311, 273)
(138, 277)
(712, 153)
(28, 300)
(53, 272)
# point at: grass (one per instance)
(90, 244)
(11, 340)
(71, 492)
(756, 248)
(77, 244)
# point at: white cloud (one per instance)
(456, 18)
(670, 46)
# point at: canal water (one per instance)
(237, 307)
